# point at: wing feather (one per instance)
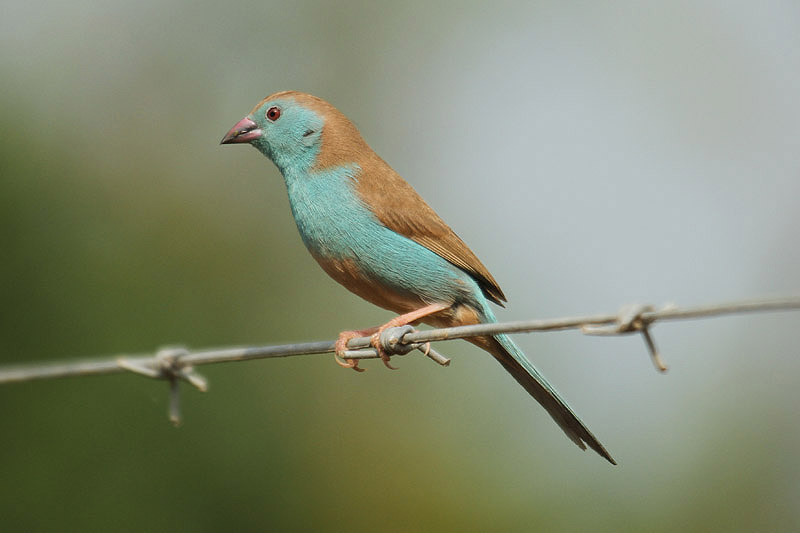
(400, 208)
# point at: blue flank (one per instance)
(334, 222)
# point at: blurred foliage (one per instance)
(124, 227)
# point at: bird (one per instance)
(372, 232)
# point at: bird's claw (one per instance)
(347, 363)
(341, 347)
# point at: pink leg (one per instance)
(402, 320)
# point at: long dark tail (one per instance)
(514, 361)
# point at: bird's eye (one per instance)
(273, 113)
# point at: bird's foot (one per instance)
(341, 347)
(403, 320)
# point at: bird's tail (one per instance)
(514, 361)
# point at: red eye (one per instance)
(273, 113)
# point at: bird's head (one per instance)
(288, 128)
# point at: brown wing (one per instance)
(400, 208)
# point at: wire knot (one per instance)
(391, 340)
(393, 343)
(167, 365)
(631, 319)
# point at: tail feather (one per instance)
(514, 361)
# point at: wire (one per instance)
(177, 364)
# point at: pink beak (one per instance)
(243, 131)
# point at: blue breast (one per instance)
(335, 224)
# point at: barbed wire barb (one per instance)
(630, 320)
(176, 364)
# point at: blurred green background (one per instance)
(592, 154)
